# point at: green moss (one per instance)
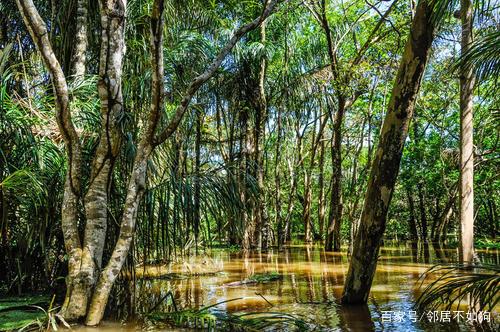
(265, 277)
(16, 319)
(19, 302)
(17, 312)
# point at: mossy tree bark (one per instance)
(385, 165)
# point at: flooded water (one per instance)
(310, 286)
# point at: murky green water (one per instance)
(310, 287)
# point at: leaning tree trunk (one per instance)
(466, 143)
(385, 166)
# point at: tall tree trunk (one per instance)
(261, 217)
(466, 142)
(412, 220)
(423, 213)
(306, 206)
(72, 185)
(245, 146)
(81, 38)
(335, 217)
(439, 233)
(293, 167)
(277, 181)
(96, 199)
(385, 166)
(321, 185)
(197, 186)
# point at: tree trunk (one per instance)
(96, 199)
(335, 217)
(85, 260)
(262, 220)
(246, 220)
(412, 221)
(197, 186)
(321, 185)
(277, 181)
(423, 214)
(81, 38)
(466, 142)
(385, 165)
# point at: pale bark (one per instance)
(96, 198)
(84, 263)
(81, 39)
(388, 156)
(72, 186)
(321, 185)
(245, 151)
(148, 142)
(466, 142)
(277, 181)
(197, 184)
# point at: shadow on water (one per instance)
(310, 286)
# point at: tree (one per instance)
(385, 166)
(466, 141)
(88, 285)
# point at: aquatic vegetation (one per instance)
(206, 319)
(17, 319)
(478, 286)
(258, 278)
(20, 312)
(27, 314)
(137, 138)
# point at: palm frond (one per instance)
(452, 285)
(483, 56)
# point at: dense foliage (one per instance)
(240, 154)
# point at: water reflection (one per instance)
(311, 285)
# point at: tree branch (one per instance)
(209, 72)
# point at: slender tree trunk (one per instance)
(466, 142)
(277, 181)
(293, 185)
(245, 147)
(262, 219)
(72, 186)
(423, 213)
(81, 39)
(439, 232)
(197, 186)
(412, 220)
(306, 208)
(321, 185)
(96, 199)
(385, 166)
(335, 217)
